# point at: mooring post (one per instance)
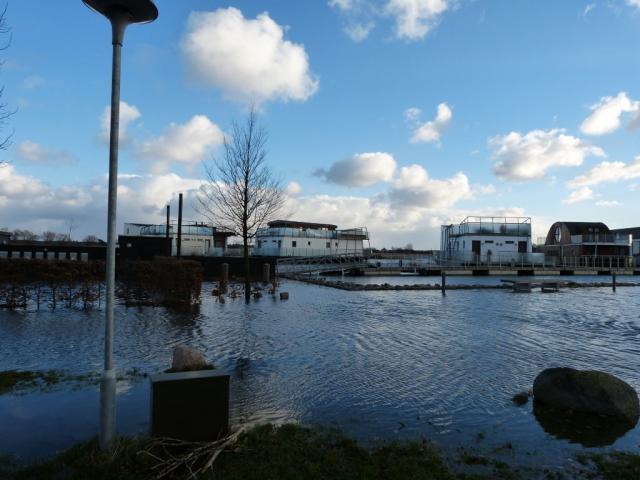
(224, 277)
(443, 285)
(266, 273)
(613, 283)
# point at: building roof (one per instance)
(293, 224)
(581, 228)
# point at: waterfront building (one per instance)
(149, 240)
(590, 244)
(635, 241)
(488, 241)
(286, 238)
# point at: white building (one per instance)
(284, 238)
(488, 241)
(197, 239)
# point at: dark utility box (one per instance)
(192, 406)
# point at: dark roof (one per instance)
(633, 231)
(292, 224)
(582, 228)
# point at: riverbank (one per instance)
(292, 452)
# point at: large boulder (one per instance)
(586, 391)
(186, 359)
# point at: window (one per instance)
(293, 244)
(336, 244)
(509, 242)
(309, 243)
(328, 244)
(488, 241)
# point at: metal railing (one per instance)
(302, 252)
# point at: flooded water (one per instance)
(381, 365)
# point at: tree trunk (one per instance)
(247, 267)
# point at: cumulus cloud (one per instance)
(606, 115)
(529, 156)
(580, 195)
(249, 60)
(28, 202)
(416, 18)
(607, 172)
(32, 152)
(187, 143)
(431, 131)
(128, 114)
(633, 3)
(360, 170)
(414, 188)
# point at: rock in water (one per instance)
(586, 391)
(186, 359)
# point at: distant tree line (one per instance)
(48, 236)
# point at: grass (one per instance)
(613, 466)
(293, 452)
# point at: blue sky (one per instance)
(395, 114)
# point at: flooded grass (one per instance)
(25, 381)
(291, 452)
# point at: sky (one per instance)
(397, 115)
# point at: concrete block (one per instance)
(191, 406)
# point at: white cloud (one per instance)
(633, 3)
(414, 188)
(360, 170)
(293, 189)
(608, 203)
(529, 156)
(484, 189)
(430, 132)
(247, 59)
(342, 4)
(359, 31)
(588, 9)
(606, 114)
(128, 114)
(580, 195)
(31, 152)
(28, 202)
(416, 18)
(607, 172)
(187, 143)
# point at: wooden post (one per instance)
(443, 285)
(179, 243)
(224, 277)
(613, 283)
(266, 273)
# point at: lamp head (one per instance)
(123, 12)
(138, 11)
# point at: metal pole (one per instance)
(168, 227)
(108, 380)
(179, 244)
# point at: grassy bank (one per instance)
(293, 452)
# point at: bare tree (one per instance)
(240, 192)
(48, 236)
(23, 235)
(5, 113)
(91, 239)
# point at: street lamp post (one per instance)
(120, 13)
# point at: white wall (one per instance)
(305, 246)
(497, 244)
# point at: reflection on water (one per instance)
(383, 365)
(588, 430)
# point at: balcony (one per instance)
(600, 238)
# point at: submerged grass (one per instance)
(25, 381)
(291, 452)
